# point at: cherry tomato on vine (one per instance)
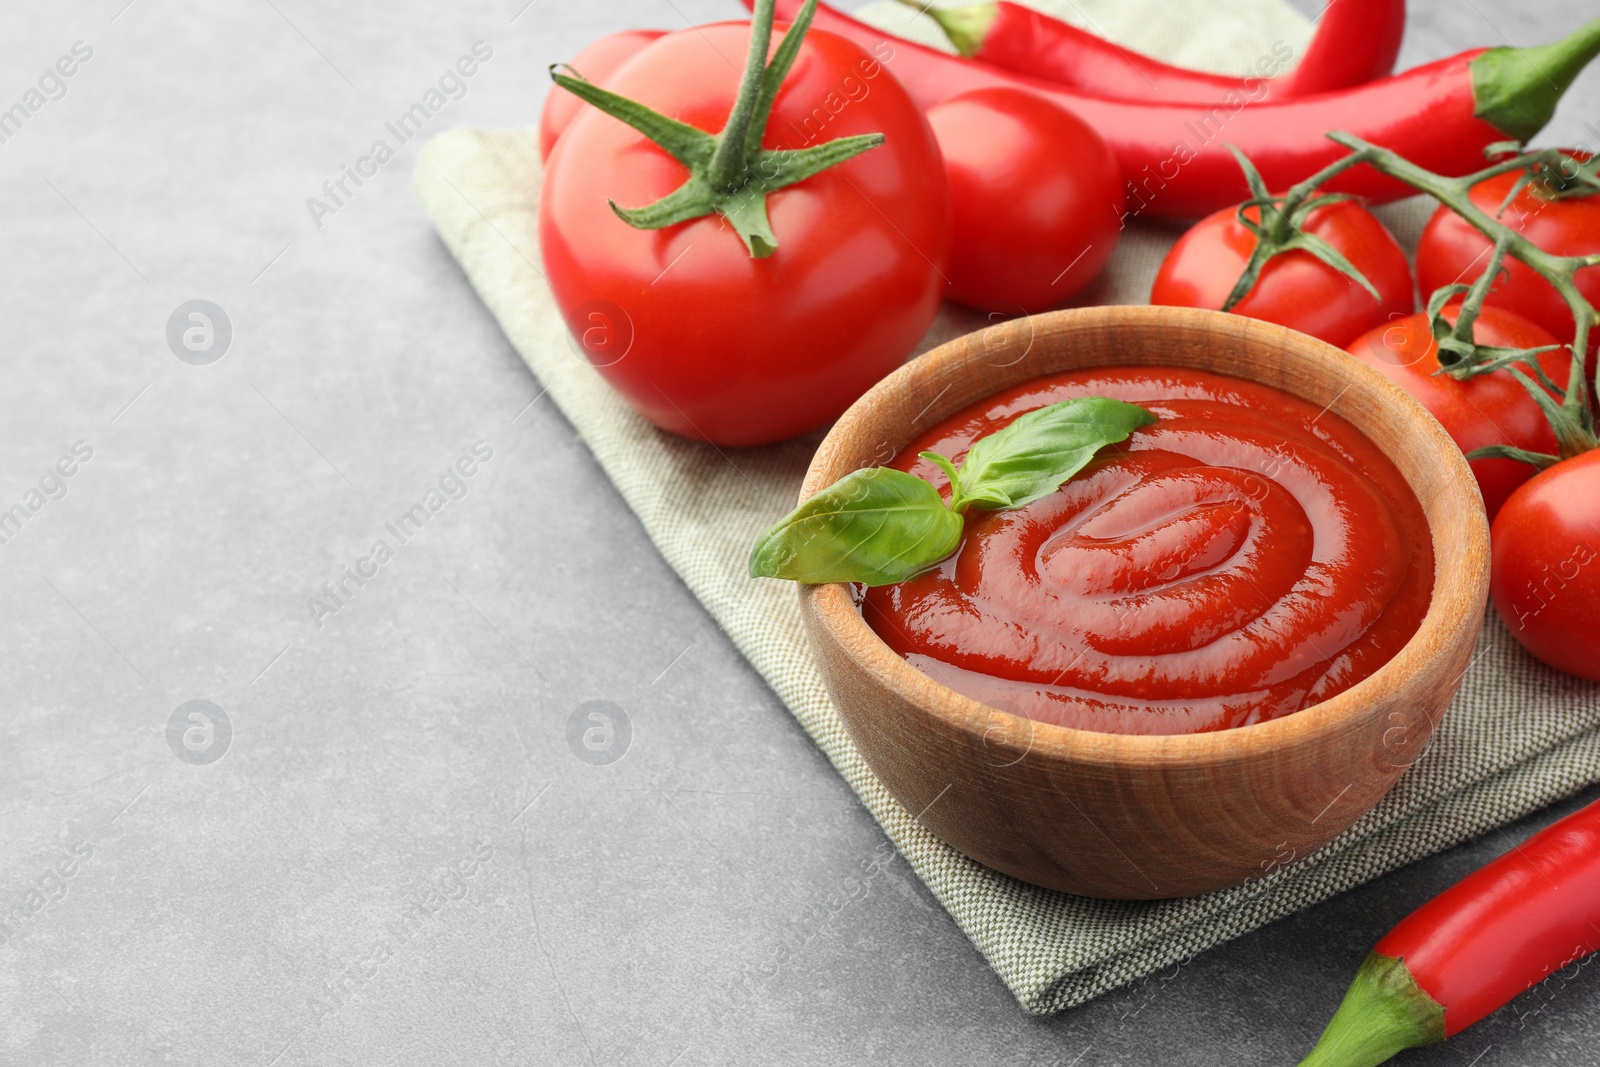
(727, 335)
(1295, 289)
(1451, 251)
(1545, 566)
(1036, 196)
(596, 63)
(1488, 409)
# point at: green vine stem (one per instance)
(1459, 353)
(1571, 417)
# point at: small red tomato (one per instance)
(1451, 251)
(1545, 570)
(1295, 289)
(596, 63)
(1036, 197)
(1490, 409)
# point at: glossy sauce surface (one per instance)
(1245, 556)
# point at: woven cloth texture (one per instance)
(1517, 738)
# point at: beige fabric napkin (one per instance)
(1517, 738)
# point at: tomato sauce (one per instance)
(1243, 557)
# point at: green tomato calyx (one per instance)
(730, 174)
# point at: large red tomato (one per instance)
(703, 339)
(1545, 572)
(1295, 289)
(1037, 198)
(1451, 251)
(1489, 409)
(596, 63)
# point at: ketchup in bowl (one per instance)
(1245, 556)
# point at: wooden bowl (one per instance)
(1112, 815)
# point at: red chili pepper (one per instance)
(1495, 934)
(1174, 156)
(1355, 41)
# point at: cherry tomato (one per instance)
(1295, 289)
(597, 63)
(1490, 409)
(1036, 196)
(1452, 251)
(704, 340)
(1545, 572)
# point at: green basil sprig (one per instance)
(878, 526)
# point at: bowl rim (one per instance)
(1460, 586)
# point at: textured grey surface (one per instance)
(400, 859)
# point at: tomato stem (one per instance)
(1461, 357)
(1281, 219)
(728, 166)
(1571, 419)
(730, 174)
(1279, 227)
(1459, 337)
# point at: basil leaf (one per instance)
(880, 526)
(1037, 452)
(876, 526)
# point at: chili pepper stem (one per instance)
(1517, 89)
(965, 27)
(1383, 1012)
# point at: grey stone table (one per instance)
(401, 859)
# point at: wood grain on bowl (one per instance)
(1121, 816)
